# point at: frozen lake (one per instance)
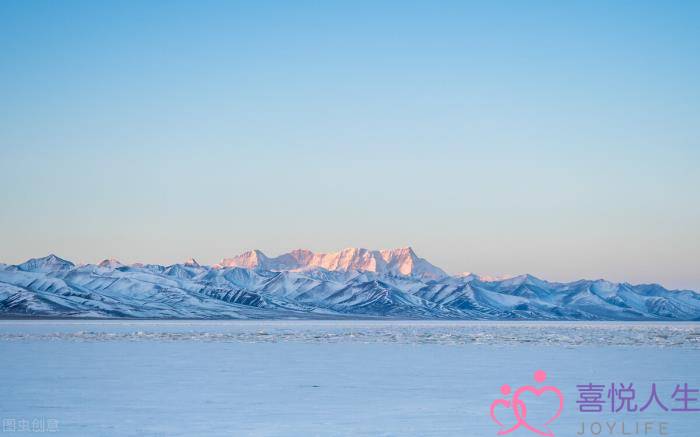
(288, 378)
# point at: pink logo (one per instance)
(514, 412)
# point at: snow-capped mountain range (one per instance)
(351, 283)
(401, 261)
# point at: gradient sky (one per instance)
(556, 138)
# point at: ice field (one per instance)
(289, 378)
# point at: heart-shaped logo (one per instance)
(519, 408)
(542, 430)
(506, 406)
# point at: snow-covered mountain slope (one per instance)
(401, 261)
(301, 284)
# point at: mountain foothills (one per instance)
(352, 283)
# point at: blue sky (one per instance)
(560, 139)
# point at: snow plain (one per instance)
(323, 378)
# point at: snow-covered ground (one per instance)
(287, 378)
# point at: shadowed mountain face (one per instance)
(301, 284)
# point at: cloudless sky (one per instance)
(556, 138)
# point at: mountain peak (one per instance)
(400, 261)
(250, 259)
(48, 263)
(405, 249)
(110, 263)
(191, 262)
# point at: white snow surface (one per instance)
(180, 378)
